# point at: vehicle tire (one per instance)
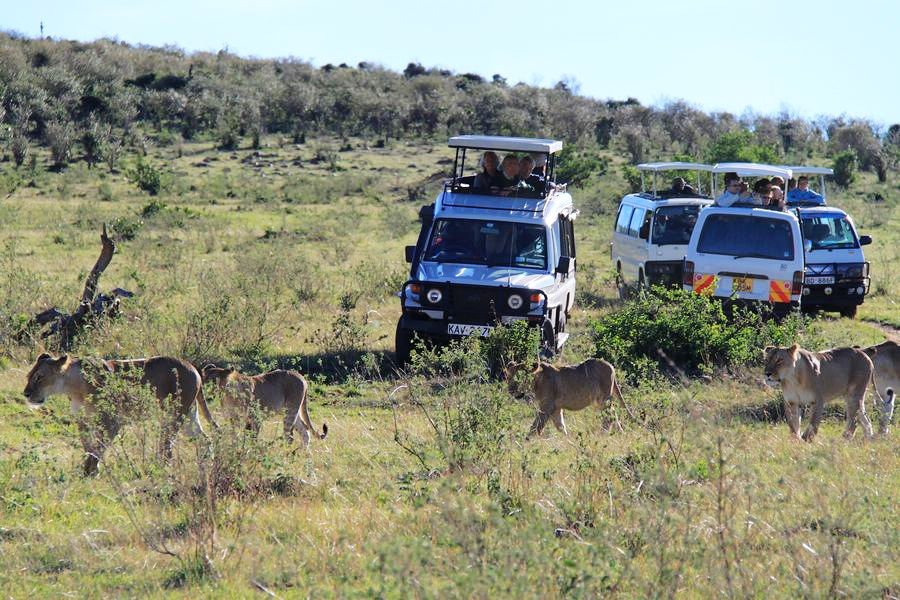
(642, 282)
(403, 345)
(548, 341)
(621, 286)
(850, 311)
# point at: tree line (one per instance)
(91, 100)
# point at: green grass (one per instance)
(706, 496)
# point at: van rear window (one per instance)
(747, 236)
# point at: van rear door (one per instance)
(750, 255)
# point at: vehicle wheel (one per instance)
(403, 345)
(642, 283)
(621, 286)
(850, 311)
(548, 342)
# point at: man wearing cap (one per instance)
(802, 193)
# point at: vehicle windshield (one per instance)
(674, 224)
(491, 243)
(829, 231)
(747, 236)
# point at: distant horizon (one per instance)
(799, 73)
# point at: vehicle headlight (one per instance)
(853, 270)
(515, 301)
(434, 295)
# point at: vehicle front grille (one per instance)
(472, 304)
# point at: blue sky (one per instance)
(809, 58)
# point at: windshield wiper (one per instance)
(752, 256)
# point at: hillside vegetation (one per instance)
(281, 244)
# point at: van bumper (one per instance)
(834, 297)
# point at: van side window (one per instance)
(566, 237)
(624, 219)
(637, 219)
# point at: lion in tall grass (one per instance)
(569, 388)
(102, 403)
(886, 360)
(813, 378)
(279, 390)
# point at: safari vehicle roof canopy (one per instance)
(658, 167)
(513, 144)
(460, 183)
(750, 170)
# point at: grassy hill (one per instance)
(290, 255)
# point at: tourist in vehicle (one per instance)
(777, 200)
(509, 171)
(762, 192)
(527, 176)
(540, 165)
(732, 191)
(489, 176)
(791, 184)
(680, 187)
(802, 193)
(777, 181)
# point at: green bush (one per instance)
(845, 168)
(146, 177)
(576, 168)
(692, 332)
(738, 146)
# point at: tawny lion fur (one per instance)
(886, 359)
(813, 378)
(271, 392)
(569, 388)
(83, 379)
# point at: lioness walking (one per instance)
(817, 377)
(84, 380)
(272, 391)
(570, 388)
(886, 359)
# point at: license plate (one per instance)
(741, 284)
(818, 280)
(460, 329)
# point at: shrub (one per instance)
(146, 177)
(690, 330)
(738, 146)
(576, 168)
(845, 168)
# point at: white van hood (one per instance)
(483, 275)
(838, 255)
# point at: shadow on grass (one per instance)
(329, 367)
(773, 412)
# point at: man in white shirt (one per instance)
(732, 191)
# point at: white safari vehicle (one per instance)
(747, 253)
(837, 274)
(491, 255)
(653, 227)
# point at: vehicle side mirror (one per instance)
(566, 265)
(410, 253)
(865, 240)
(644, 233)
(807, 245)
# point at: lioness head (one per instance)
(782, 363)
(45, 378)
(218, 375)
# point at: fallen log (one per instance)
(91, 307)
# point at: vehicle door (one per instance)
(749, 256)
(566, 280)
(621, 239)
(636, 248)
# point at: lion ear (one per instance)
(768, 350)
(793, 350)
(63, 359)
